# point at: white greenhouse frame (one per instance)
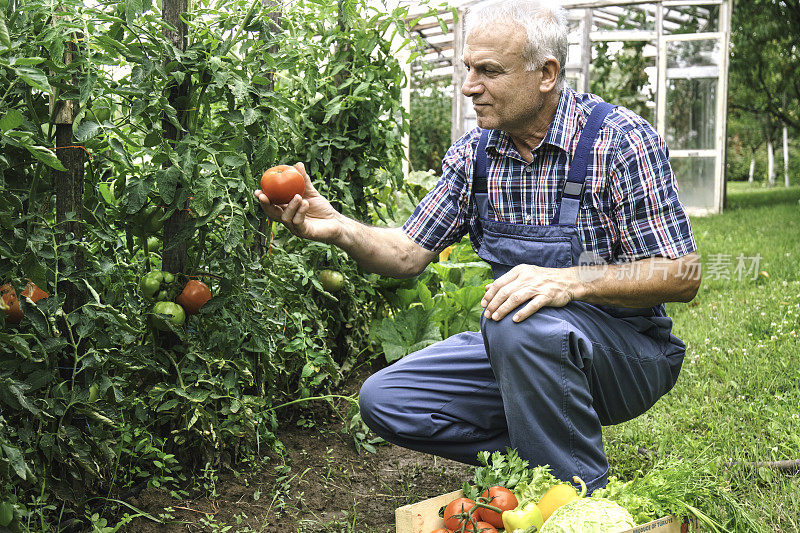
(697, 148)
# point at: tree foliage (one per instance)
(765, 52)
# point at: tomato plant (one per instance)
(499, 497)
(281, 183)
(233, 123)
(194, 296)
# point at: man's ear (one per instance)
(549, 71)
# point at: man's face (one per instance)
(505, 96)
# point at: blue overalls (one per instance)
(544, 386)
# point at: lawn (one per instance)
(738, 396)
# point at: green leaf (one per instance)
(234, 232)
(46, 156)
(28, 61)
(133, 8)
(425, 297)
(410, 331)
(17, 462)
(105, 192)
(16, 343)
(5, 39)
(167, 182)
(166, 406)
(34, 77)
(153, 138)
(333, 109)
(33, 269)
(234, 161)
(136, 194)
(87, 129)
(11, 120)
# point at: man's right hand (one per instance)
(310, 216)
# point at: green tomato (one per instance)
(175, 315)
(151, 283)
(156, 284)
(331, 280)
(94, 393)
(100, 114)
(6, 514)
(149, 218)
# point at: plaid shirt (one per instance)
(630, 209)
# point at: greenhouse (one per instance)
(666, 60)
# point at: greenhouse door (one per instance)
(692, 97)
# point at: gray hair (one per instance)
(544, 22)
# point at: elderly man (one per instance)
(549, 178)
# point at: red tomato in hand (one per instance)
(281, 183)
(194, 295)
(455, 508)
(10, 304)
(499, 497)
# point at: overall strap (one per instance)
(479, 176)
(572, 194)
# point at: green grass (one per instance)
(738, 396)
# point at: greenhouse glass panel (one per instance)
(623, 73)
(695, 176)
(689, 54)
(625, 17)
(691, 19)
(691, 119)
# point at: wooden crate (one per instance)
(423, 517)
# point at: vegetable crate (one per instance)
(423, 517)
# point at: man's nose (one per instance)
(471, 87)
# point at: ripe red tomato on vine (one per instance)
(10, 302)
(194, 296)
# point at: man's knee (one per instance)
(371, 399)
(541, 333)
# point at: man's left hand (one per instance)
(538, 286)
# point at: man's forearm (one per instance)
(384, 251)
(642, 283)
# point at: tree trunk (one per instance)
(785, 156)
(175, 258)
(770, 163)
(752, 169)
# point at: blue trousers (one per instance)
(544, 386)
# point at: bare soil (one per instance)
(319, 483)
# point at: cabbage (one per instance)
(589, 515)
